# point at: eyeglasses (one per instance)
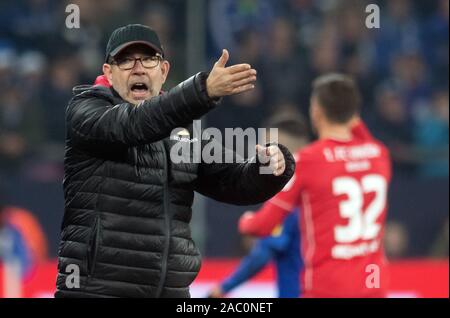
(128, 63)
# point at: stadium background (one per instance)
(402, 69)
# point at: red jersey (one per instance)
(341, 188)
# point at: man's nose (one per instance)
(138, 67)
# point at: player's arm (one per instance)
(262, 222)
(279, 242)
(252, 264)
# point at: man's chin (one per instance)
(139, 98)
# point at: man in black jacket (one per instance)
(127, 205)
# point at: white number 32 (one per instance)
(361, 224)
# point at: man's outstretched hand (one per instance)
(224, 81)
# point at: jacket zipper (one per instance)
(167, 226)
(94, 242)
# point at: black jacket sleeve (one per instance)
(242, 183)
(95, 121)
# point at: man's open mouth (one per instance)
(139, 90)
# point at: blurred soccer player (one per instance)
(341, 184)
(283, 245)
(283, 248)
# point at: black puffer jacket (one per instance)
(128, 207)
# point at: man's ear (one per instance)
(165, 68)
(107, 71)
(315, 111)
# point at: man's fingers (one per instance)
(245, 81)
(238, 68)
(223, 59)
(277, 162)
(278, 166)
(272, 150)
(273, 157)
(242, 89)
(242, 75)
(279, 171)
(276, 159)
(261, 152)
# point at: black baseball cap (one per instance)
(132, 34)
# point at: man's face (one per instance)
(139, 83)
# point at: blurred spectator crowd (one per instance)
(402, 68)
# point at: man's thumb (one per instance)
(261, 152)
(224, 58)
